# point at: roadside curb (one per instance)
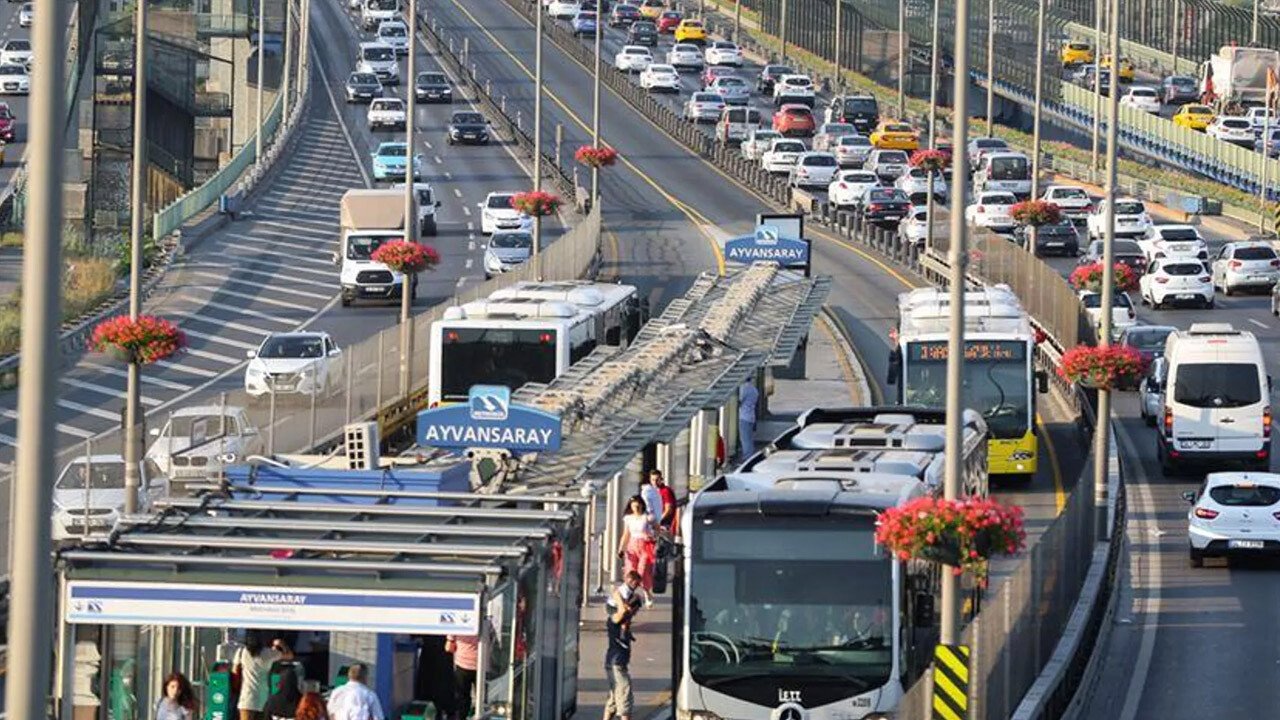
(845, 344)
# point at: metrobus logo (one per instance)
(489, 402)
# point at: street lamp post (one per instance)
(1177, 33)
(410, 214)
(1035, 124)
(595, 118)
(304, 42)
(537, 130)
(902, 59)
(1253, 32)
(1097, 82)
(991, 67)
(782, 31)
(262, 58)
(288, 58)
(933, 81)
(737, 21)
(838, 50)
(132, 416)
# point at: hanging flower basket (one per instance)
(406, 257)
(1102, 367)
(1035, 213)
(931, 160)
(1089, 277)
(536, 203)
(596, 157)
(964, 533)
(144, 341)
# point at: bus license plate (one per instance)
(1245, 544)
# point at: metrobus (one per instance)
(529, 332)
(785, 604)
(1000, 379)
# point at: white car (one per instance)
(660, 77)
(1246, 264)
(1123, 314)
(507, 250)
(852, 150)
(497, 214)
(1142, 97)
(1233, 513)
(782, 155)
(722, 52)
(1174, 241)
(793, 89)
(814, 169)
(1260, 118)
(757, 143)
(1176, 282)
(685, 56)
(386, 113)
(1132, 219)
(849, 186)
(78, 512)
(16, 52)
(26, 15)
(14, 80)
(633, 58)
(915, 182)
(1074, 202)
(198, 439)
(1231, 129)
(297, 363)
(564, 9)
(914, 228)
(379, 59)
(990, 210)
(703, 107)
(395, 34)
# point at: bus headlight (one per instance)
(696, 715)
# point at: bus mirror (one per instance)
(895, 365)
(924, 610)
(1042, 381)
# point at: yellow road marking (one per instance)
(1059, 493)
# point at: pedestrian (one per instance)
(652, 499)
(466, 659)
(638, 544)
(617, 663)
(253, 662)
(283, 703)
(179, 701)
(748, 399)
(355, 701)
(311, 707)
(668, 520)
(627, 595)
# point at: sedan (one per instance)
(8, 127)
(1148, 340)
(623, 15)
(466, 126)
(734, 90)
(496, 214)
(1234, 130)
(14, 80)
(884, 206)
(849, 186)
(1141, 97)
(757, 142)
(981, 146)
(715, 71)
(26, 15)
(1194, 117)
(386, 113)
(914, 228)
(1176, 282)
(1131, 219)
(991, 210)
(362, 87)
(814, 169)
(690, 31)
(395, 35)
(853, 150)
(1233, 513)
(1057, 239)
(829, 134)
(651, 9)
(660, 77)
(1151, 389)
(769, 75)
(89, 495)
(668, 21)
(1123, 314)
(1245, 265)
(889, 165)
(1179, 89)
(915, 183)
(896, 136)
(1174, 241)
(16, 52)
(684, 56)
(722, 52)
(563, 9)
(789, 89)
(432, 87)
(794, 120)
(302, 363)
(1072, 201)
(643, 33)
(633, 58)
(1125, 252)
(389, 162)
(584, 23)
(781, 155)
(1268, 142)
(507, 250)
(703, 107)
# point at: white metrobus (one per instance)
(786, 605)
(530, 332)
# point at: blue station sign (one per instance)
(767, 244)
(489, 420)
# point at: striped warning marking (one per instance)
(951, 682)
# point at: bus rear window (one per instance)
(494, 356)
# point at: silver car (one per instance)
(1151, 390)
(734, 90)
(684, 56)
(703, 107)
(1249, 264)
(757, 142)
(26, 14)
(829, 135)
(852, 150)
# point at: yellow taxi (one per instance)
(1127, 73)
(691, 31)
(895, 135)
(651, 9)
(1076, 53)
(1194, 117)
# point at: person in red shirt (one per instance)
(669, 510)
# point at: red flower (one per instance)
(930, 160)
(406, 257)
(1101, 367)
(146, 340)
(535, 203)
(1036, 213)
(596, 157)
(1089, 277)
(972, 528)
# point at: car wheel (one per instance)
(1227, 289)
(1208, 304)
(1195, 558)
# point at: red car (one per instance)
(793, 119)
(669, 20)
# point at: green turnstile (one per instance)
(217, 692)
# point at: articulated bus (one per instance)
(1000, 379)
(786, 606)
(530, 332)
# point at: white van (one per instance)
(736, 123)
(1008, 171)
(1217, 405)
(373, 12)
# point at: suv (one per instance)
(1246, 264)
(860, 111)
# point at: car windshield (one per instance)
(892, 156)
(990, 144)
(499, 202)
(823, 160)
(635, 51)
(797, 112)
(468, 118)
(1125, 247)
(1012, 167)
(685, 48)
(1235, 124)
(391, 30)
(382, 5)
(1255, 253)
(1079, 46)
(789, 146)
(105, 475)
(730, 82)
(388, 104)
(430, 78)
(1129, 207)
(1198, 110)
(200, 427)
(860, 177)
(662, 70)
(1245, 495)
(1178, 234)
(692, 24)
(512, 240)
(642, 27)
(724, 46)
(1182, 81)
(361, 247)
(295, 346)
(709, 98)
(19, 45)
(1143, 92)
(392, 150)
(1217, 385)
(671, 15)
(776, 70)
(1093, 301)
(855, 141)
(1183, 269)
(1069, 194)
(1147, 338)
(12, 70)
(364, 79)
(999, 199)
(897, 128)
(837, 128)
(799, 82)
(379, 54)
(885, 195)
(587, 15)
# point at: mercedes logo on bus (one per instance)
(789, 712)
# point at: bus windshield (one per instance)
(494, 356)
(997, 381)
(799, 599)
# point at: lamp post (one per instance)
(410, 214)
(839, 41)
(262, 38)
(933, 82)
(595, 118)
(902, 59)
(1099, 8)
(782, 31)
(138, 189)
(1253, 32)
(1035, 131)
(991, 67)
(288, 58)
(537, 128)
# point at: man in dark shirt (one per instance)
(617, 661)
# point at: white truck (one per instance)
(1237, 76)
(369, 219)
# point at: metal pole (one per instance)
(782, 30)
(31, 590)
(410, 215)
(381, 354)
(1266, 166)
(537, 123)
(595, 118)
(1097, 82)
(304, 42)
(132, 451)
(1177, 33)
(1102, 434)
(262, 38)
(902, 59)
(928, 241)
(955, 342)
(350, 379)
(737, 21)
(271, 417)
(559, 142)
(284, 69)
(991, 67)
(311, 436)
(1253, 33)
(1035, 123)
(933, 81)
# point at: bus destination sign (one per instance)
(489, 420)
(976, 350)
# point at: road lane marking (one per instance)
(268, 288)
(197, 317)
(236, 310)
(111, 392)
(1151, 602)
(457, 193)
(1259, 323)
(60, 427)
(88, 410)
(216, 290)
(239, 270)
(214, 357)
(219, 339)
(264, 251)
(187, 369)
(466, 210)
(146, 379)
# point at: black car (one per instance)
(623, 15)
(466, 126)
(433, 87)
(884, 206)
(1179, 89)
(860, 111)
(1059, 239)
(769, 75)
(363, 87)
(642, 32)
(1127, 253)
